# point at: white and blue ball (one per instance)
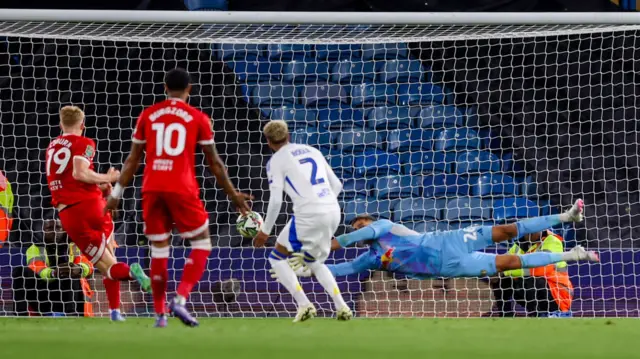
(249, 225)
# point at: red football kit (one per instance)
(171, 130)
(82, 216)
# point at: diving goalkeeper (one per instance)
(395, 248)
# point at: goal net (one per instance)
(438, 126)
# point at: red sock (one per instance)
(193, 270)
(159, 283)
(120, 271)
(112, 287)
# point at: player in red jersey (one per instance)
(77, 192)
(170, 131)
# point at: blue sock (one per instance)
(537, 224)
(539, 259)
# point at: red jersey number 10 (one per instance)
(164, 138)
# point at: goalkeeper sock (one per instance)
(112, 287)
(540, 259)
(287, 277)
(194, 266)
(159, 277)
(328, 282)
(537, 224)
(119, 271)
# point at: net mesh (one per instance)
(436, 127)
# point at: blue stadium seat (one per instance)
(511, 162)
(495, 185)
(489, 139)
(420, 94)
(410, 209)
(335, 52)
(323, 95)
(285, 52)
(454, 225)
(370, 94)
(311, 136)
(529, 187)
(295, 116)
(389, 118)
(400, 71)
(375, 163)
(354, 208)
(246, 52)
(477, 161)
(444, 185)
(440, 116)
(381, 208)
(339, 118)
(513, 208)
(409, 140)
(427, 162)
(353, 188)
(397, 187)
(546, 207)
(272, 94)
(341, 164)
(256, 70)
(430, 226)
(456, 139)
(468, 209)
(265, 111)
(384, 51)
(354, 140)
(300, 72)
(353, 72)
(471, 117)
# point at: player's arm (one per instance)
(220, 172)
(363, 262)
(276, 186)
(82, 171)
(375, 230)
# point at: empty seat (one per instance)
(341, 164)
(340, 118)
(419, 94)
(256, 70)
(353, 188)
(456, 139)
(529, 187)
(444, 185)
(381, 208)
(299, 72)
(370, 94)
(351, 140)
(385, 51)
(427, 162)
(471, 117)
(353, 72)
(468, 209)
(495, 185)
(375, 163)
(273, 94)
(284, 52)
(440, 116)
(247, 52)
(513, 208)
(430, 226)
(411, 209)
(323, 95)
(397, 187)
(400, 71)
(295, 116)
(351, 209)
(311, 136)
(389, 117)
(477, 161)
(334, 52)
(409, 140)
(489, 139)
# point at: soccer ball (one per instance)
(249, 225)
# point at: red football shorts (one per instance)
(87, 227)
(161, 210)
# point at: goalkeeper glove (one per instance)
(296, 261)
(302, 272)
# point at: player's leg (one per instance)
(505, 262)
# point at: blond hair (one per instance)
(276, 131)
(71, 116)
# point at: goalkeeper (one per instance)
(395, 248)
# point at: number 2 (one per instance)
(61, 158)
(470, 234)
(314, 171)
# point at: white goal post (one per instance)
(436, 120)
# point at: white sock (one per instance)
(287, 277)
(328, 282)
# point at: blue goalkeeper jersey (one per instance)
(394, 248)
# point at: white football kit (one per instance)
(304, 174)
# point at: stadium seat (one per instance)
(512, 163)
(409, 140)
(456, 139)
(420, 94)
(311, 136)
(440, 116)
(391, 187)
(513, 208)
(489, 139)
(384, 51)
(389, 117)
(410, 209)
(357, 140)
(352, 72)
(353, 208)
(273, 94)
(477, 161)
(295, 116)
(265, 111)
(546, 207)
(375, 163)
(323, 95)
(256, 70)
(335, 52)
(427, 162)
(341, 164)
(468, 209)
(471, 117)
(400, 71)
(246, 52)
(529, 188)
(429, 226)
(300, 72)
(494, 184)
(340, 118)
(285, 52)
(370, 94)
(381, 208)
(444, 185)
(353, 188)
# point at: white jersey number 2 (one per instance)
(164, 138)
(314, 170)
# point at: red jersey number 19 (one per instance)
(164, 138)
(61, 158)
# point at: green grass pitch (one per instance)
(321, 338)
